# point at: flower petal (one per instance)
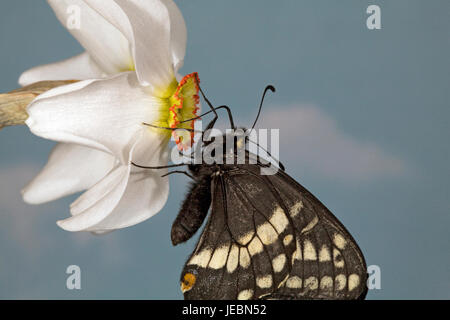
(71, 168)
(178, 34)
(80, 67)
(105, 44)
(146, 192)
(102, 114)
(102, 197)
(128, 195)
(146, 25)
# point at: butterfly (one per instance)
(267, 237)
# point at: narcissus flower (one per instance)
(134, 49)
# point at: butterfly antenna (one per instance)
(271, 88)
(282, 167)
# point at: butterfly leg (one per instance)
(178, 171)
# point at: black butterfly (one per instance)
(267, 237)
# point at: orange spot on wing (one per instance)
(188, 282)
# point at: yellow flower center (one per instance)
(180, 103)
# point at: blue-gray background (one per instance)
(364, 118)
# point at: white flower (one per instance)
(134, 49)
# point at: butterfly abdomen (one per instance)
(193, 211)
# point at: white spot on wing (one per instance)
(326, 283)
(353, 281)
(296, 208)
(255, 246)
(201, 259)
(312, 283)
(264, 282)
(278, 262)
(339, 241)
(294, 282)
(279, 220)
(244, 258)
(267, 233)
(341, 281)
(233, 259)
(245, 294)
(219, 257)
(309, 252)
(324, 254)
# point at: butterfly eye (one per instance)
(188, 282)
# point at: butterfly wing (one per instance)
(264, 239)
(328, 264)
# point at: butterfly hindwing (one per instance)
(268, 237)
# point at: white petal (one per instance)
(146, 192)
(146, 25)
(105, 44)
(70, 169)
(178, 34)
(102, 198)
(102, 114)
(80, 67)
(128, 195)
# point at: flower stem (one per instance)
(13, 105)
